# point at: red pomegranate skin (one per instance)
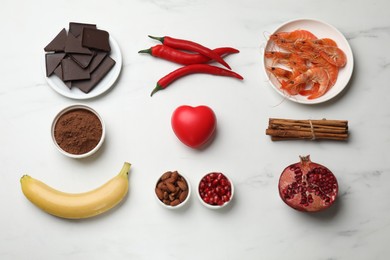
(308, 186)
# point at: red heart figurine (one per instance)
(194, 126)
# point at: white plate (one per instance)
(104, 85)
(321, 30)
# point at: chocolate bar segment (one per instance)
(58, 43)
(52, 62)
(101, 71)
(73, 45)
(99, 57)
(96, 39)
(77, 28)
(58, 73)
(82, 59)
(72, 71)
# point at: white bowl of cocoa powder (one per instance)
(78, 131)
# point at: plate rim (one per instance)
(116, 70)
(347, 49)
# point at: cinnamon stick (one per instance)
(287, 129)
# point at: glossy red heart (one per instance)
(194, 126)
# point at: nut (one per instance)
(182, 185)
(175, 175)
(162, 186)
(172, 188)
(160, 193)
(183, 195)
(166, 195)
(166, 175)
(175, 202)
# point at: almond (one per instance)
(183, 196)
(170, 187)
(166, 175)
(162, 186)
(175, 175)
(182, 185)
(175, 202)
(160, 193)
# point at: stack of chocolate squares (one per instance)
(79, 57)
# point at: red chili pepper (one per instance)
(185, 58)
(191, 46)
(190, 69)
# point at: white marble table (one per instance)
(258, 225)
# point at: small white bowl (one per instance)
(210, 206)
(70, 108)
(179, 205)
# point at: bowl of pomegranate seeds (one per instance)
(215, 190)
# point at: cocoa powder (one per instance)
(78, 131)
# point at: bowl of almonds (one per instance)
(172, 190)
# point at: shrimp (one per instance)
(286, 40)
(320, 76)
(311, 76)
(333, 55)
(277, 55)
(294, 85)
(324, 41)
(293, 36)
(332, 70)
(291, 60)
(309, 91)
(280, 73)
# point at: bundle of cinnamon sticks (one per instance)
(288, 129)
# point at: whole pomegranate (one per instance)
(308, 186)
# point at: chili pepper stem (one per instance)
(161, 39)
(146, 51)
(157, 88)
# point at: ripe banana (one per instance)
(77, 205)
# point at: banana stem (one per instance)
(125, 169)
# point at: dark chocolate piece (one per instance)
(52, 62)
(99, 57)
(73, 45)
(87, 85)
(96, 39)
(82, 59)
(58, 43)
(77, 28)
(72, 71)
(58, 73)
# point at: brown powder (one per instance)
(78, 131)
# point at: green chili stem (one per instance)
(146, 51)
(157, 88)
(161, 39)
